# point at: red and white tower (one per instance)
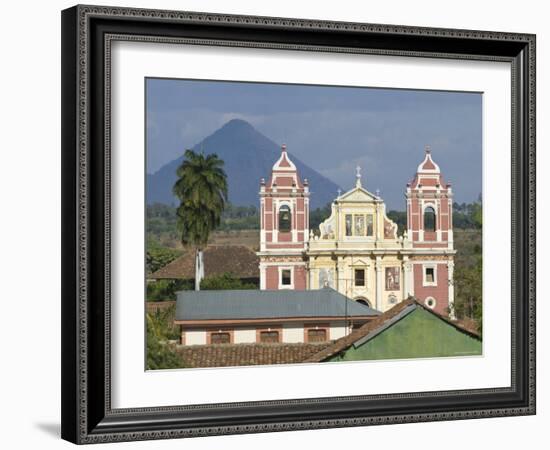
(430, 231)
(284, 227)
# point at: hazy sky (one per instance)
(332, 129)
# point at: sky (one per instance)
(333, 129)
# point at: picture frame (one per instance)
(87, 35)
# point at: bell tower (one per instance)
(284, 226)
(429, 206)
(430, 231)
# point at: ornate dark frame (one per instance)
(87, 32)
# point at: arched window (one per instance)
(429, 219)
(285, 220)
(363, 301)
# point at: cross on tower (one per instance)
(358, 176)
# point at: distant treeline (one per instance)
(162, 220)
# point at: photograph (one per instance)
(295, 223)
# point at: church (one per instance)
(358, 251)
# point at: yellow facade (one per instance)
(358, 252)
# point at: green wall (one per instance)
(419, 334)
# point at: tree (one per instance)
(224, 282)
(469, 278)
(201, 188)
(158, 256)
(160, 353)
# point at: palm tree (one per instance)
(202, 190)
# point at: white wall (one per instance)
(195, 337)
(30, 226)
(293, 333)
(244, 336)
(337, 330)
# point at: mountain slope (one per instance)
(248, 156)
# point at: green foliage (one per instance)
(400, 218)
(468, 293)
(319, 215)
(160, 353)
(467, 215)
(225, 281)
(240, 218)
(161, 323)
(162, 224)
(468, 276)
(202, 190)
(158, 256)
(163, 290)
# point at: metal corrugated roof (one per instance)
(253, 304)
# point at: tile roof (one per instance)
(379, 324)
(218, 259)
(225, 355)
(256, 304)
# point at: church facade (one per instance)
(358, 250)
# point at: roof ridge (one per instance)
(378, 323)
(363, 331)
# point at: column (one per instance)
(450, 277)
(262, 276)
(275, 222)
(309, 277)
(379, 283)
(342, 284)
(294, 221)
(407, 278)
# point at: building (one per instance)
(408, 330)
(267, 317)
(358, 250)
(238, 260)
(284, 227)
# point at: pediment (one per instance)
(357, 194)
(359, 262)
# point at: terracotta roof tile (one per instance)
(226, 355)
(218, 259)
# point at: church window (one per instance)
(359, 277)
(269, 337)
(348, 225)
(370, 225)
(430, 276)
(359, 225)
(284, 218)
(286, 277)
(429, 219)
